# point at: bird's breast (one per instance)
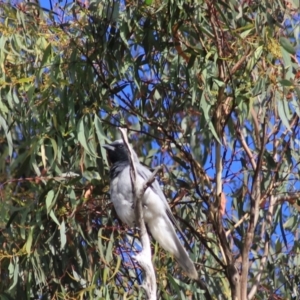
(122, 198)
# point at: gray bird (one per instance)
(157, 213)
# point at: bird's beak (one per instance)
(108, 147)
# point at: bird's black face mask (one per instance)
(116, 152)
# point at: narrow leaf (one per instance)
(286, 44)
(53, 217)
(81, 134)
(63, 237)
(49, 199)
(15, 275)
(282, 227)
(282, 114)
(29, 240)
(8, 135)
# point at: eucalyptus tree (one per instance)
(209, 89)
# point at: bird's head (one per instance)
(116, 152)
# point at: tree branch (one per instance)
(246, 148)
(266, 249)
(144, 257)
(254, 211)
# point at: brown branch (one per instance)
(214, 210)
(291, 198)
(246, 148)
(237, 65)
(231, 271)
(177, 42)
(237, 224)
(203, 240)
(266, 249)
(254, 211)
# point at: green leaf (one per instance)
(3, 108)
(8, 135)
(291, 223)
(285, 82)
(245, 33)
(63, 237)
(282, 114)
(181, 162)
(49, 200)
(286, 44)
(109, 249)
(82, 136)
(281, 226)
(26, 80)
(271, 164)
(53, 217)
(174, 284)
(99, 243)
(29, 240)
(206, 109)
(101, 136)
(15, 270)
(259, 86)
(258, 52)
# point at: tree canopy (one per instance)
(209, 89)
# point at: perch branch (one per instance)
(144, 257)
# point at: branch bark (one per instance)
(232, 273)
(254, 210)
(144, 257)
(266, 249)
(231, 270)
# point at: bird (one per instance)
(158, 216)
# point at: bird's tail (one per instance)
(164, 233)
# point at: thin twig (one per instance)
(152, 177)
(246, 148)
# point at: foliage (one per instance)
(208, 88)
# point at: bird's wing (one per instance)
(145, 173)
